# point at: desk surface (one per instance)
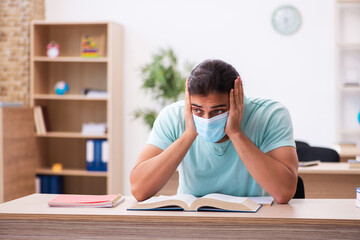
(306, 219)
(298, 210)
(330, 168)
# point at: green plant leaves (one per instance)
(163, 80)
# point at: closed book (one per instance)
(104, 155)
(309, 163)
(41, 119)
(97, 154)
(90, 50)
(70, 200)
(36, 121)
(353, 163)
(51, 184)
(44, 184)
(55, 184)
(90, 166)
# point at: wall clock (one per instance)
(286, 20)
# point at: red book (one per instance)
(70, 200)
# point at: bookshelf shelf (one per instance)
(349, 89)
(349, 46)
(70, 59)
(351, 131)
(64, 115)
(71, 135)
(68, 97)
(71, 172)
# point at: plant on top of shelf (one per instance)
(165, 82)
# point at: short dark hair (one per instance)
(212, 76)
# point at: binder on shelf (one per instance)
(105, 155)
(50, 184)
(90, 166)
(96, 155)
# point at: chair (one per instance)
(300, 189)
(306, 153)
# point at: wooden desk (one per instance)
(327, 180)
(17, 153)
(330, 180)
(31, 218)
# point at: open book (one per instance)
(209, 202)
(69, 200)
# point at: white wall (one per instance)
(297, 70)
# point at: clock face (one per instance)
(53, 52)
(286, 20)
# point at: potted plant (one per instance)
(166, 83)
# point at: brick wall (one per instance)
(15, 18)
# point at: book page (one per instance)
(187, 198)
(266, 200)
(223, 202)
(225, 198)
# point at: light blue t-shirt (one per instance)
(216, 167)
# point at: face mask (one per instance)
(213, 129)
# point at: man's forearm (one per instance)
(274, 176)
(148, 177)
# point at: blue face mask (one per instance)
(212, 129)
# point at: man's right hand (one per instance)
(189, 120)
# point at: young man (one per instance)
(220, 141)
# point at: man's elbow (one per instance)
(282, 199)
(138, 193)
(285, 196)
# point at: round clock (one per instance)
(286, 20)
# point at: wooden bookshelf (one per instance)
(347, 70)
(63, 142)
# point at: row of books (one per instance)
(97, 154)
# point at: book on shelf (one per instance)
(94, 93)
(309, 163)
(93, 128)
(209, 202)
(72, 200)
(41, 120)
(357, 201)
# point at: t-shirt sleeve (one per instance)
(278, 131)
(166, 129)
